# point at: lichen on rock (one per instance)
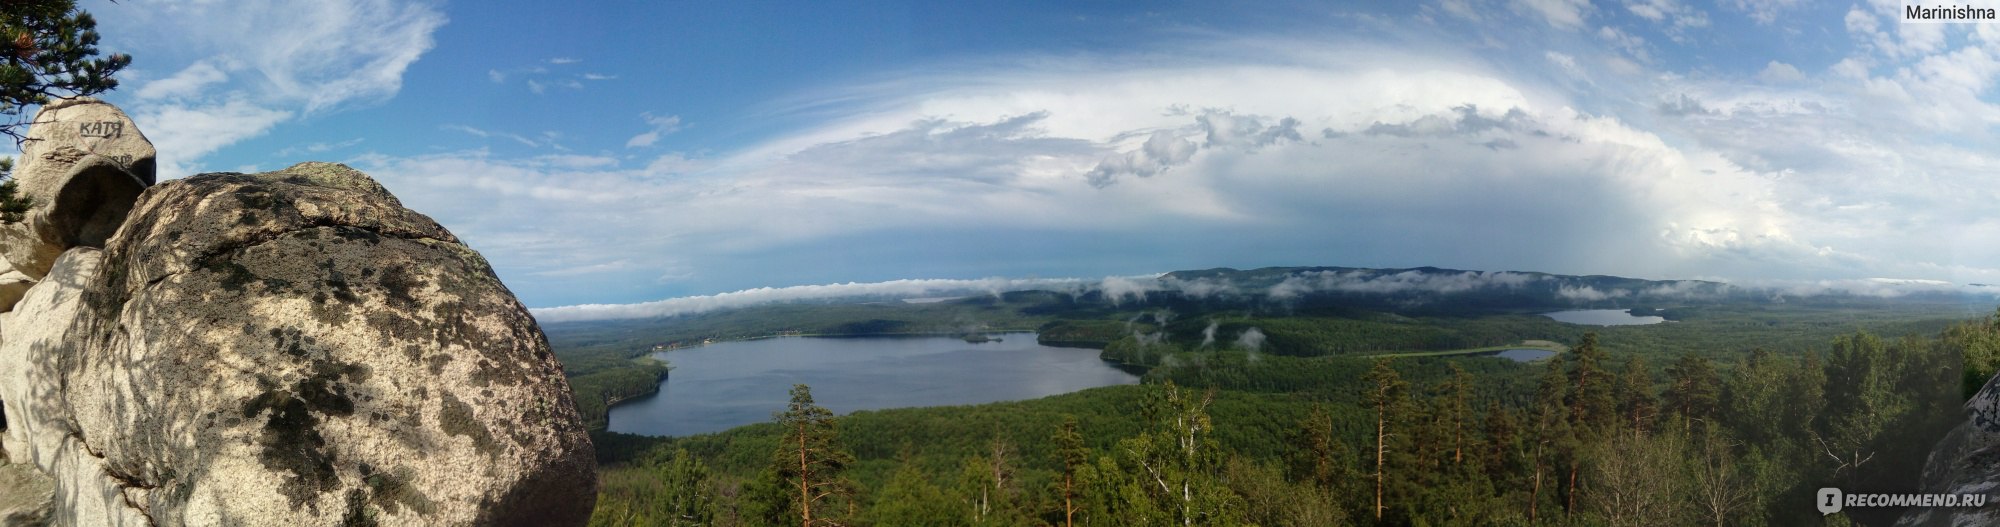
(290, 347)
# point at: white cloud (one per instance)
(251, 66)
(1676, 18)
(1631, 44)
(1435, 159)
(1764, 11)
(189, 82)
(1566, 14)
(1028, 146)
(183, 133)
(1590, 294)
(1781, 73)
(677, 163)
(476, 132)
(315, 148)
(662, 125)
(564, 60)
(1565, 62)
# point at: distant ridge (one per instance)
(1414, 290)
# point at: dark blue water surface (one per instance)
(1604, 317)
(725, 385)
(1522, 354)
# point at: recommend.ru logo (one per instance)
(1831, 500)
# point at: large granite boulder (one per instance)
(1966, 461)
(288, 348)
(82, 166)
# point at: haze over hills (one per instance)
(1421, 290)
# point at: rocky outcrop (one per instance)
(1966, 461)
(292, 347)
(82, 165)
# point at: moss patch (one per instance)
(291, 440)
(392, 491)
(457, 420)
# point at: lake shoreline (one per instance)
(613, 402)
(695, 400)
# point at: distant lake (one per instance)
(729, 384)
(1521, 354)
(1604, 317)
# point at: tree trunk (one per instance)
(805, 492)
(1535, 493)
(1569, 504)
(1458, 437)
(1069, 511)
(1381, 436)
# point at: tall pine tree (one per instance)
(1592, 408)
(1073, 455)
(1550, 437)
(809, 460)
(1692, 391)
(1387, 397)
(1636, 403)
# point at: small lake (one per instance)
(730, 384)
(1520, 354)
(1604, 317)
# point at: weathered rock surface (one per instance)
(33, 341)
(83, 164)
(288, 348)
(13, 284)
(1966, 461)
(27, 497)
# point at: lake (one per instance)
(1520, 354)
(1604, 317)
(730, 384)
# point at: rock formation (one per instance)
(1966, 461)
(292, 347)
(83, 164)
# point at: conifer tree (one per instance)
(1550, 435)
(1458, 404)
(1692, 390)
(1073, 455)
(1591, 403)
(1592, 408)
(689, 498)
(909, 498)
(1636, 403)
(809, 459)
(1502, 431)
(1386, 394)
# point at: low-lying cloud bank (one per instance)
(907, 288)
(1126, 289)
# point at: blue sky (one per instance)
(619, 152)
